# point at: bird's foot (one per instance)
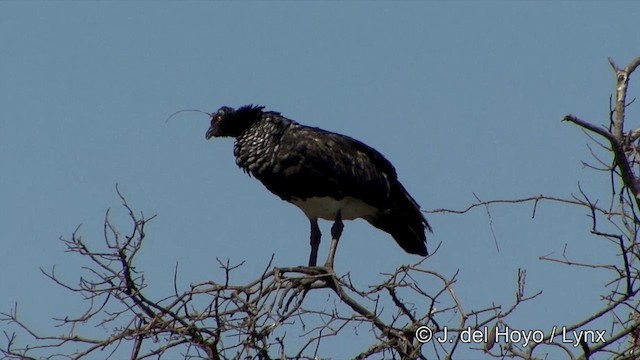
(319, 269)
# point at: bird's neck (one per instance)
(255, 146)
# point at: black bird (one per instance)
(327, 175)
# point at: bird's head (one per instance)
(230, 122)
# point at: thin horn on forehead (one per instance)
(186, 110)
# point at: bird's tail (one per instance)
(405, 223)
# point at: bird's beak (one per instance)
(210, 132)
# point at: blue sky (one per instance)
(462, 97)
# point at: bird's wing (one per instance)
(314, 162)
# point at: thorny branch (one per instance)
(272, 316)
(622, 145)
(620, 303)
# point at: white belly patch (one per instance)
(327, 208)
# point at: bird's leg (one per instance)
(315, 242)
(336, 232)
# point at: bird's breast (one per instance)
(327, 207)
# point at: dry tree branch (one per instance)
(618, 225)
(259, 318)
(616, 137)
(623, 219)
(536, 199)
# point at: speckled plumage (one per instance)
(306, 166)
